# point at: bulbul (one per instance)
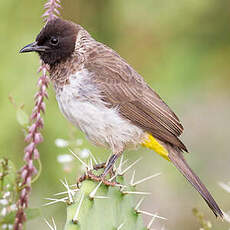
(102, 95)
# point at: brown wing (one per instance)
(124, 88)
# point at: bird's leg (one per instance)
(107, 169)
(110, 164)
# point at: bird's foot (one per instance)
(90, 174)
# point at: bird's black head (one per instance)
(55, 42)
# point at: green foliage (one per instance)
(204, 224)
(22, 117)
(31, 213)
(9, 191)
(7, 176)
(109, 208)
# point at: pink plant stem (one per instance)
(34, 136)
(52, 10)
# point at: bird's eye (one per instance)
(54, 41)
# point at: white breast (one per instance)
(81, 103)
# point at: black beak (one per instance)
(33, 47)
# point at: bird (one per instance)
(102, 95)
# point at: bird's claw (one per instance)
(90, 175)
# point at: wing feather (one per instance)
(122, 87)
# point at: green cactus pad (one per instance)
(115, 212)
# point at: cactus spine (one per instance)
(96, 206)
(109, 208)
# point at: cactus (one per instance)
(109, 208)
(109, 205)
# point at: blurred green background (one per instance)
(181, 48)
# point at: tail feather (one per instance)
(177, 158)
